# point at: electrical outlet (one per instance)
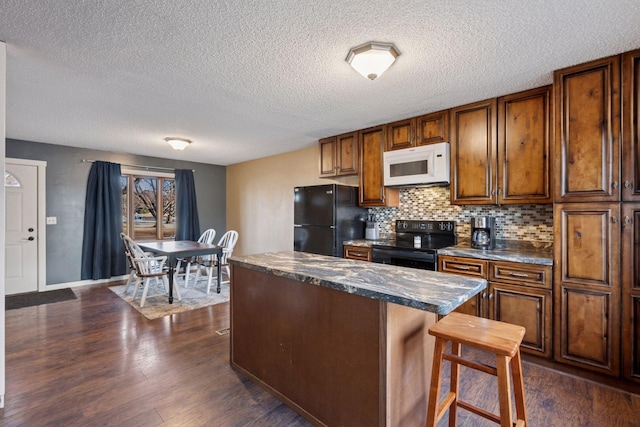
(52, 220)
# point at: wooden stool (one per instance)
(502, 339)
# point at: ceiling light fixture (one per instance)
(372, 59)
(178, 143)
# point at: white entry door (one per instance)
(21, 245)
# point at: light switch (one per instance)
(52, 220)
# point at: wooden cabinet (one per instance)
(505, 163)
(524, 148)
(358, 252)
(473, 153)
(372, 191)
(518, 293)
(339, 155)
(631, 126)
(521, 294)
(587, 285)
(424, 130)
(631, 291)
(467, 267)
(587, 116)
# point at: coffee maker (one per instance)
(483, 232)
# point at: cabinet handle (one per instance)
(499, 191)
(614, 219)
(484, 295)
(628, 184)
(490, 297)
(615, 185)
(627, 219)
(461, 267)
(519, 274)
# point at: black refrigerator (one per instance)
(324, 216)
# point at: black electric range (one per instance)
(416, 244)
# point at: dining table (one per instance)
(179, 249)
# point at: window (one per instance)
(148, 206)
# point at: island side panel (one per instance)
(317, 349)
(409, 361)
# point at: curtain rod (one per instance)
(137, 166)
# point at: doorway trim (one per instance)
(42, 220)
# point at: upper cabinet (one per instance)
(524, 147)
(587, 114)
(631, 126)
(501, 150)
(424, 130)
(372, 190)
(339, 155)
(473, 153)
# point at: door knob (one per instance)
(30, 230)
(30, 238)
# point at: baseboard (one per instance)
(85, 283)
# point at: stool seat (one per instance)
(499, 338)
(488, 335)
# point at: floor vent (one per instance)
(224, 331)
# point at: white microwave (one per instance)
(424, 165)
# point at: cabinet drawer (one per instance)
(521, 274)
(357, 252)
(464, 266)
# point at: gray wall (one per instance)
(66, 187)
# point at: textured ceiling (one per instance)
(245, 79)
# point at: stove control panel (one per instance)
(418, 226)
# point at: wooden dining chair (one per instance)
(149, 268)
(210, 262)
(206, 237)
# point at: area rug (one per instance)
(192, 298)
(37, 298)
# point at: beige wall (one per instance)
(260, 198)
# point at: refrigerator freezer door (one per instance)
(314, 205)
(316, 240)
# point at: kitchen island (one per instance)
(342, 342)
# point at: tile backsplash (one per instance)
(513, 222)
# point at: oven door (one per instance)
(425, 260)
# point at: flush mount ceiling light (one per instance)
(178, 143)
(372, 59)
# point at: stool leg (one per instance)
(504, 390)
(455, 383)
(518, 387)
(434, 390)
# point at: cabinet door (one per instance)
(631, 126)
(587, 114)
(524, 306)
(587, 286)
(432, 128)
(631, 291)
(372, 191)
(401, 134)
(347, 154)
(471, 267)
(524, 147)
(473, 153)
(327, 157)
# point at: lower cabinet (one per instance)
(518, 293)
(361, 253)
(631, 291)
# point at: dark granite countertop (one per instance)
(425, 290)
(506, 250)
(367, 243)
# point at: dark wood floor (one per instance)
(96, 361)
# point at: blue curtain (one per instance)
(102, 248)
(187, 222)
